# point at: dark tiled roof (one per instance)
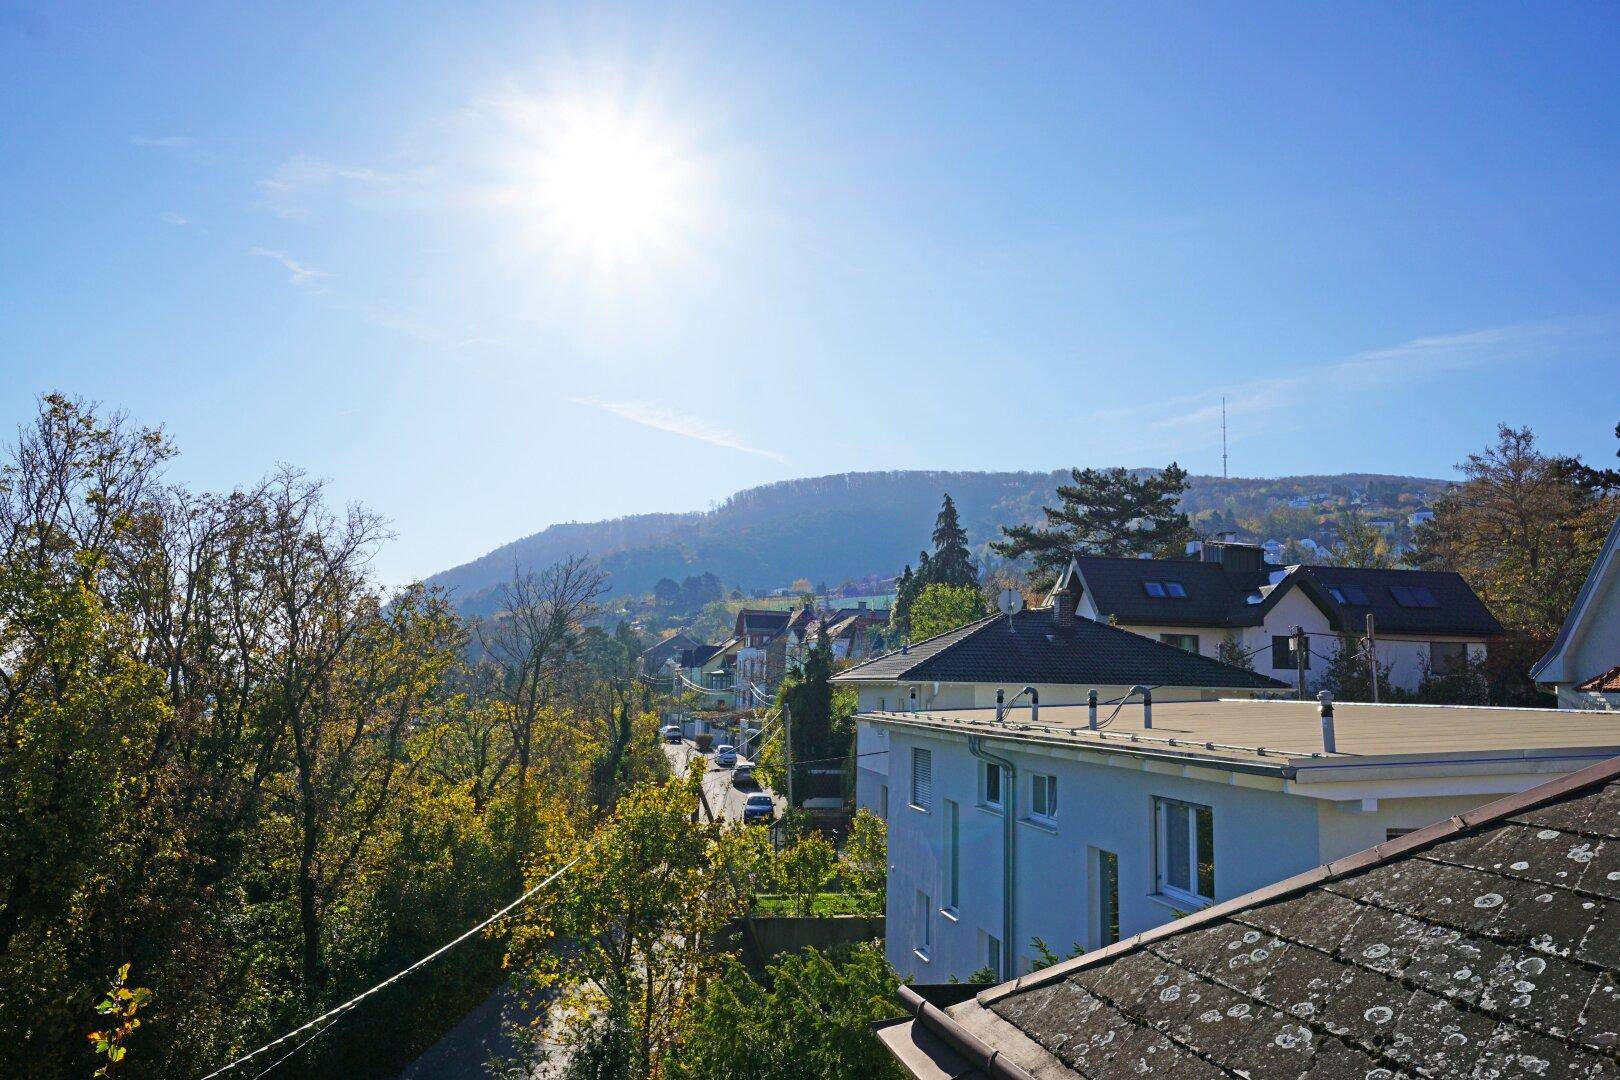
(691, 658)
(1483, 946)
(1608, 682)
(676, 644)
(1028, 648)
(1218, 596)
(1460, 611)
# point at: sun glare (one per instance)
(606, 185)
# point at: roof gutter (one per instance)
(1009, 850)
(964, 1042)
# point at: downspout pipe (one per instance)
(1009, 850)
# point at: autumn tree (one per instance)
(1359, 544)
(1104, 512)
(1521, 528)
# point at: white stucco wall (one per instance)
(1595, 645)
(1260, 836)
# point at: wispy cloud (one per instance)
(299, 274)
(1408, 363)
(169, 217)
(163, 142)
(288, 191)
(676, 423)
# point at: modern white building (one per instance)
(1039, 827)
(1588, 644)
(1423, 621)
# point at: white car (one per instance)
(725, 754)
(672, 733)
(743, 774)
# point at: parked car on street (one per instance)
(672, 733)
(743, 775)
(725, 755)
(759, 807)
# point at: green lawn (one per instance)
(825, 904)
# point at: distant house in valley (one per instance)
(1046, 826)
(761, 636)
(654, 659)
(850, 633)
(1588, 644)
(1420, 516)
(1425, 621)
(1484, 945)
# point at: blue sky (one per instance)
(358, 239)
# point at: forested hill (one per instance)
(833, 528)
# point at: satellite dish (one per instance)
(1011, 600)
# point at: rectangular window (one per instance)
(1446, 657)
(1282, 652)
(1337, 593)
(992, 784)
(1107, 898)
(1176, 589)
(1414, 596)
(1153, 588)
(992, 953)
(1043, 796)
(1184, 642)
(883, 802)
(924, 930)
(1355, 594)
(1186, 849)
(922, 778)
(953, 856)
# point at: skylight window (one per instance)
(1413, 596)
(1154, 588)
(1162, 589)
(1349, 594)
(1176, 589)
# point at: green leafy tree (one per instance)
(945, 607)
(811, 1016)
(805, 870)
(1104, 512)
(863, 864)
(1347, 675)
(638, 911)
(1360, 544)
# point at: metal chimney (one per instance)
(1034, 703)
(1001, 705)
(1329, 742)
(1091, 710)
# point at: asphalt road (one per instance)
(724, 799)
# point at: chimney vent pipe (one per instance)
(1034, 703)
(1001, 705)
(1329, 742)
(1091, 709)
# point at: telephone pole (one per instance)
(1300, 656)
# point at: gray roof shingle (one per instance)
(1483, 946)
(1028, 647)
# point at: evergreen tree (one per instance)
(905, 591)
(952, 563)
(1104, 512)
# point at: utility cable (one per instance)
(333, 1013)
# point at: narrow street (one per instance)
(724, 799)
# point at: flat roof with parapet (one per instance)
(1286, 737)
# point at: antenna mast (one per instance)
(1223, 438)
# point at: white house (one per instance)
(1422, 620)
(1045, 655)
(1588, 644)
(1039, 826)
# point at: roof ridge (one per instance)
(908, 646)
(1377, 855)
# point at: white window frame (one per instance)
(951, 829)
(1161, 846)
(1043, 797)
(921, 799)
(992, 953)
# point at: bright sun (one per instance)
(605, 185)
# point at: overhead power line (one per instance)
(326, 1019)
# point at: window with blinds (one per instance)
(922, 778)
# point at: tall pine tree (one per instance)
(1104, 512)
(952, 563)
